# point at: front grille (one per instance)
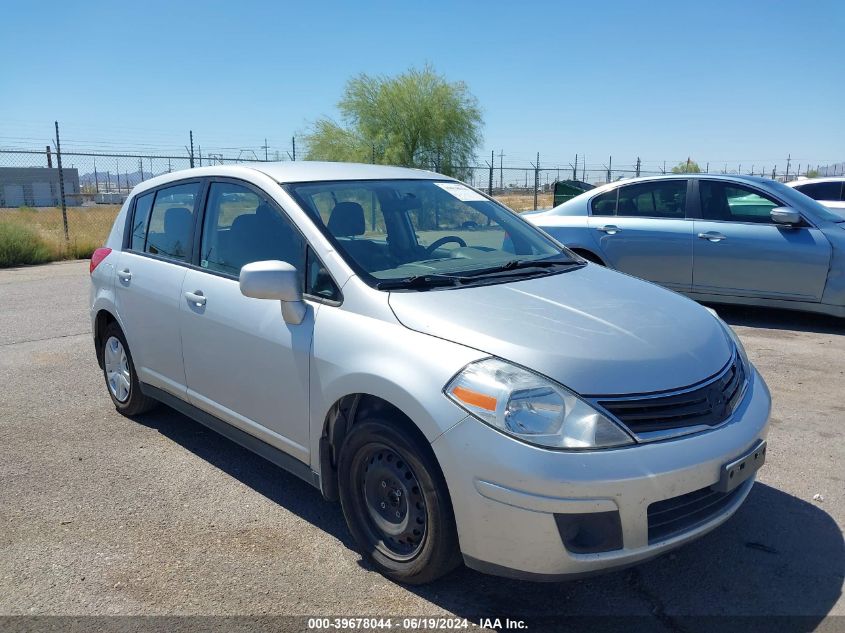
(707, 404)
(680, 514)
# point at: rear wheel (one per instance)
(396, 503)
(119, 372)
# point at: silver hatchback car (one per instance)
(724, 239)
(467, 388)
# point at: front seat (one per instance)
(260, 236)
(347, 222)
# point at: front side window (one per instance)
(172, 221)
(821, 190)
(731, 202)
(659, 199)
(242, 226)
(404, 229)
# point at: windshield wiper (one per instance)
(433, 280)
(518, 266)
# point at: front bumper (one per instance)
(506, 493)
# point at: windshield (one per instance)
(414, 229)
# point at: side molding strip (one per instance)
(249, 442)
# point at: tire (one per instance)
(120, 376)
(396, 503)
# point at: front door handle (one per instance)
(124, 275)
(196, 297)
(610, 229)
(711, 236)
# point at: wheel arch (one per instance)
(102, 320)
(342, 416)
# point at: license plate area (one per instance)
(740, 470)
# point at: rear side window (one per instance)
(143, 204)
(172, 221)
(659, 199)
(730, 202)
(604, 204)
(821, 190)
(242, 226)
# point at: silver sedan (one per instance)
(716, 238)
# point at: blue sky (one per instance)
(745, 82)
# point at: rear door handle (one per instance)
(711, 236)
(610, 229)
(124, 275)
(196, 297)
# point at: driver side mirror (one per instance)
(273, 279)
(786, 216)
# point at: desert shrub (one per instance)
(20, 244)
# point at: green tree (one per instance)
(812, 173)
(688, 166)
(416, 119)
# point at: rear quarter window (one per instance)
(140, 219)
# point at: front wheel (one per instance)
(396, 503)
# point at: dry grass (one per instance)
(88, 228)
(525, 201)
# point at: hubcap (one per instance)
(394, 502)
(117, 369)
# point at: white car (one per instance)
(465, 386)
(828, 191)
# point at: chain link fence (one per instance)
(66, 201)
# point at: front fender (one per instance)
(360, 354)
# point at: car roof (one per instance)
(808, 181)
(759, 180)
(296, 171)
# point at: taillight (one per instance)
(96, 257)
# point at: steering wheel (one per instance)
(444, 240)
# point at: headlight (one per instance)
(531, 407)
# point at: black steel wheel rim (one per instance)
(395, 510)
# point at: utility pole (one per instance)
(96, 177)
(584, 169)
(191, 132)
(374, 153)
(61, 183)
(688, 162)
(265, 147)
(638, 166)
(491, 164)
(788, 159)
(707, 169)
(501, 170)
(141, 167)
(536, 179)
(293, 144)
(575, 169)
(49, 158)
(609, 168)
(199, 153)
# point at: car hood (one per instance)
(594, 330)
